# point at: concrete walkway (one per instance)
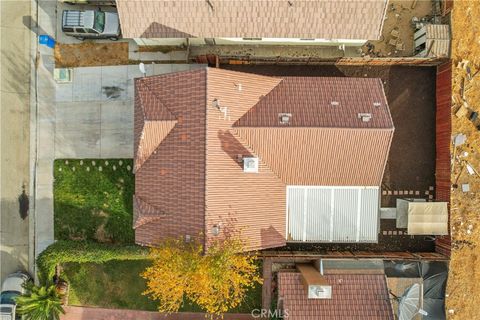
(85, 313)
(15, 117)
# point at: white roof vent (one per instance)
(334, 103)
(377, 104)
(250, 164)
(284, 118)
(366, 117)
(319, 292)
(216, 103)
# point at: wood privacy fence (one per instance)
(443, 143)
(215, 60)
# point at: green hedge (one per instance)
(64, 251)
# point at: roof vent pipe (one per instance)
(216, 103)
(284, 118)
(365, 117)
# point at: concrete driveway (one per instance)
(15, 117)
(94, 113)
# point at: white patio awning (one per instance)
(422, 218)
(332, 214)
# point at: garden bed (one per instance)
(93, 200)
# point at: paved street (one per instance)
(15, 117)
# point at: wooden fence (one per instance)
(214, 60)
(443, 143)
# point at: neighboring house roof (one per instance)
(187, 165)
(354, 296)
(320, 19)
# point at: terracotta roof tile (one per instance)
(325, 141)
(321, 19)
(251, 203)
(322, 156)
(194, 175)
(172, 179)
(156, 131)
(144, 212)
(325, 102)
(354, 297)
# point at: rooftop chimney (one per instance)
(316, 286)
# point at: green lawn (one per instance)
(117, 284)
(93, 200)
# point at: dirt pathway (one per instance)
(463, 289)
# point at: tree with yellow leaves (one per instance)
(216, 281)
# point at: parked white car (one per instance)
(12, 287)
(93, 24)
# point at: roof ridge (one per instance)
(275, 147)
(251, 150)
(236, 123)
(145, 212)
(156, 131)
(148, 90)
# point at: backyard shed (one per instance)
(332, 214)
(433, 40)
(422, 218)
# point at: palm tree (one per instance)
(40, 303)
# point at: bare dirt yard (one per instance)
(90, 54)
(397, 34)
(410, 93)
(463, 301)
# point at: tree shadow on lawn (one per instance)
(89, 223)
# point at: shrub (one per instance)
(217, 281)
(40, 303)
(83, 251)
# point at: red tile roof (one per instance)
(323, 110)
(354, 297)
(321, 19)
(325, 102)
(172, 179)
(187, 167)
